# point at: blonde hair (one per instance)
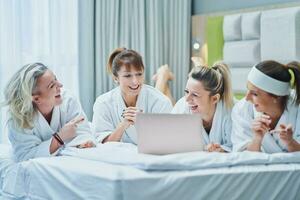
(18, 94)
(216, 80)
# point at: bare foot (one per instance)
(198, 61)
(163, 72)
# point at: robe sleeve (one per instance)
(102, 121)
(83, 130)
(162, 106)
(296, 134)
(180, 107)
(27, 145)
(241, 134)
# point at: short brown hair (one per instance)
(124, 57)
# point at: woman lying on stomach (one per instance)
(208, 93)
(115, 111)
(268, 118)
(41, 118)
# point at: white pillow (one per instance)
(280, 35)
(232, 27)
(251, 26)
(241, 53)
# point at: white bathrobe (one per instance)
(108, 109)
(244, 113)
(221, 127)
(32, 143)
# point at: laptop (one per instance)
(169, 133)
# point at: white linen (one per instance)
(5, 161)
(9, 172)
(109, 107)
(65, 177)
(221, 127)
(32, 143)
(74, 178)
(127, 154)
(242, 116)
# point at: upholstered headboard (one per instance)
(252, 37)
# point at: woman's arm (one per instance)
(117, 134)
(255, 144)
(28, 145)
(286, 135)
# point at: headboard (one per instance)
(252, 37)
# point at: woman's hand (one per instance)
(260, 126)
(129, 115)
(68, 131)
(214, 147)
(129, 118)
(87, 144)
(286, 134)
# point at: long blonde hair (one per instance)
(216, 80)
(18, 94)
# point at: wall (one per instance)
(203, 9)
(200, 7)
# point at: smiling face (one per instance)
(47, 92)
(130, 80)
(199, 100)
(262, 101)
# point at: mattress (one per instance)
(7, 165)
(73, 177)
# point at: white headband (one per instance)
(267, 83)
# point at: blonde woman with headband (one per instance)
(115, 111)
(208, 92)
(268, 118)
(42, 119)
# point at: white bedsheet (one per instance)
(126, 154)
(7, 166)
(67, 177)
(5, 158)
(75, 178)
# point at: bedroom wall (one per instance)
(204, 10)
(211, 6)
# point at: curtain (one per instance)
(158, 29)
(38, 31)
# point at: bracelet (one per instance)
(58, 139)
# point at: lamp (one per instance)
(196, 45)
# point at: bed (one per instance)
(117, 171)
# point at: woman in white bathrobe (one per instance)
(115, 111)
(268, 118)
(208, 92)
(41, 118)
